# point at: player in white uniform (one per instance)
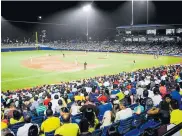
(31, 59)
(76, 61)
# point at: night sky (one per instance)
(111, 15)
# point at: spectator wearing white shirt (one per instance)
(24, 130)
(124, 112)
(55, 103)
(139, 91)
(157, 98)
(75, 108)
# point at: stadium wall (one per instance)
(50, 48)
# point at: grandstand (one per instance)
(127, 86)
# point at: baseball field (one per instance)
(32, 68)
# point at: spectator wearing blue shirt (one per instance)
(176, 95)
(104, 106)
(133, 90)
(114, 91)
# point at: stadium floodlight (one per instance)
(87, 8)
(39, 17)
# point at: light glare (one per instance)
(87, 8)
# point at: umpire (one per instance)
(85, 65)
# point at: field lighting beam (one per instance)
(132, 13)
(87, 9)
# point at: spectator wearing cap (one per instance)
(41, 108)
(104, 106)
(24, 130)
(67, 129)
(124, 112)
(35, 104)
(17, 117)
(51, 123)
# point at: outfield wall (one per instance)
(50, 48)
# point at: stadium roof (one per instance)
(149, 26)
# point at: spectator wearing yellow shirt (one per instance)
(175, 115)
(79, 97)
(51, 123)
(17, 117)
(67, 129)
(3, 125)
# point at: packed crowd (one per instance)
(147, 47)
(97, 102)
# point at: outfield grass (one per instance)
(15, 76)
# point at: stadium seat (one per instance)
(38, 120)
(15, 127)
(50, 133)
(125, 125)
(76, 118)
(133, 132)
(97, 132)
(149, 124)
(139, 119)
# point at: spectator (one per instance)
(41, 108)
(104, 106)
(46, 101)
(157, 97)
(60, 105)
(35, 104)
(124, 112)
(67, 129)
(84, 126)
(139, 109)
(175, 116)
(75, 108)
(26, 128)
(9, 111)
(176, 95)
(51, 123)
(162, 89)
(17, 117)
(55, 102)
(92, 120)
(146, 102)
(106, 121)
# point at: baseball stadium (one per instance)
(91, 73)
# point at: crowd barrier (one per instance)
(62, 49)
